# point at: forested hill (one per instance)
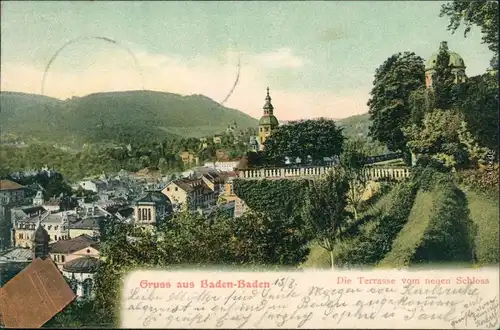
(116, 116)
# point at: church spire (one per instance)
(268, 107)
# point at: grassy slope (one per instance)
(410, 237)
(484, 213)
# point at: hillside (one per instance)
(121, 117)
(438, 229)
(116, 116)
(357, 127)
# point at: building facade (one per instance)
(62, 252)
(152, 208)
(11, 193)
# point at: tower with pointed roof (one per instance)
(41, 243)
(267, 123)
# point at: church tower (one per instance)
(41, 244)
(268, 123)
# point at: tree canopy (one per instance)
(254, 239)
(480, 107)
(389, 109)
(307, 139)
(483, 14)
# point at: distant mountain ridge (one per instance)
(102, 116)
(148, 115)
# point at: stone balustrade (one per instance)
(372, 173)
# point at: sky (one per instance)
(318, 58)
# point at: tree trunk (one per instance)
(331, 259)
(355, 213)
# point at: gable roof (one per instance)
(75, 244)
(190, 185)
(9, 185)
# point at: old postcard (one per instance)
(251, 164)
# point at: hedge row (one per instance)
(412, 234)
(283, 197)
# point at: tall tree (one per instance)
(480, 107)
(307, 139)
(325, 210)
(389, 109)
(483, 14)
(352, 160)
(443, 91)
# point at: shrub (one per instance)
(484, 180)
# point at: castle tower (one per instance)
(267, 123)
(41, 243)
(456, 63)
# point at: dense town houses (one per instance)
(70, 235)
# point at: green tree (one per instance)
(483, 14)
(352, 161)
(420, 102)
(438, 138)
(443, 91)
(477, 154)
(480, 107)
(307, 139)
(194, 240)
(325, 210)
(389, 109)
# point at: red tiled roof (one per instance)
(34, 296)
(9, 185)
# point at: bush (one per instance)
(425, 161)
(484, 180)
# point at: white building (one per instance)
(222, 166)
(93, 185)
(81, 272)
(57, 226)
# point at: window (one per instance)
(88, 250)
(87, 287)
(55, 237)
(62, 258)
(168, 189)
(21, 236)
(176, 188)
